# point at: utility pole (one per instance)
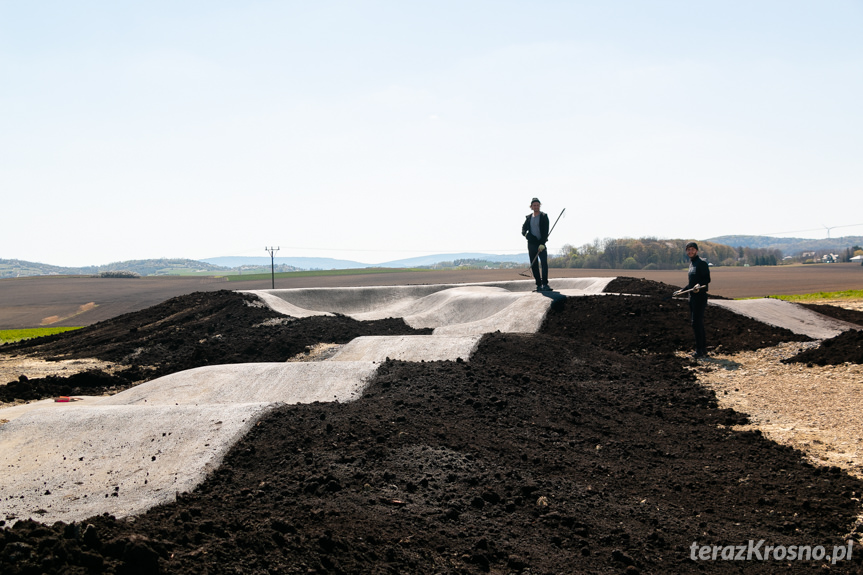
(272, 252)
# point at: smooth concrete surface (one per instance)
(252, 382)
(407, 348)
(116, 459)
(788, 315)
(522, 314)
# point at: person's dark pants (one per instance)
(532, 250)
(697, 307)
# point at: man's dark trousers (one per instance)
(542, 260)
(697, 307)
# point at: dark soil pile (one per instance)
(632, 285)
(568, 451)
(656, 325)
(845, 347)
(638, 286)
(93, 382)
(836, 312)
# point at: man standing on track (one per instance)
(535, 230)
(699, 275)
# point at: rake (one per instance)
(524, 273)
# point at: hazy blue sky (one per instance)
(380, 130)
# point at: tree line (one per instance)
(652, 253)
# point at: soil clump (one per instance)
(588, 447)
(836, 312)
(845, 347)
(632, 285)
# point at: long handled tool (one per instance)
(695, 289)
(524, 273)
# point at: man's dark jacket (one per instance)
(543, 229)
(699, 274)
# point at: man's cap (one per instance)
(691, 245)
(535, 200)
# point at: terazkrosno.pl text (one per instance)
(759, 551)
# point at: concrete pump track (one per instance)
(450, 428)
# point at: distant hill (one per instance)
(21, 268)
(161, 266)
(305, 263)
(790, 246)
(446, 258)
(222, 265)
(297, 263)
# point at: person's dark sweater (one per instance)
(699, 274)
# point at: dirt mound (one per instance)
(654, 325)
(639, 286)
(561, 452)
(845, 347)
(836, 312)
(92, 382)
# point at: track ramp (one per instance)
(788, 315)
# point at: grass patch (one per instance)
(318, 273)
(846, 294)
(11, 335)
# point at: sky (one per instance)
(382, 130)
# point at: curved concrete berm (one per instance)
(421, 306)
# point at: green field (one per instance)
(847, 294)
(10, 335)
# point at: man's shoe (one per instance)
(546, 287)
